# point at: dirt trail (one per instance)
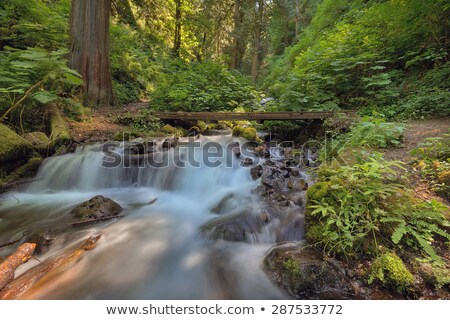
(416, 132)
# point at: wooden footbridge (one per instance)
(246, 116)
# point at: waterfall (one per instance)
(170, 243)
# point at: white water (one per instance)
(157, 251)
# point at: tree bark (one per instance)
(89, 28)
(235, 63)
(257, 46)
(177, 38)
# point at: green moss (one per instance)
(246, 133)
(315, 233)
(292, 268)
(319, 190)
(60, 133)
(202, 126)
(169, 129)
(126, 135)
(391, 272)
(12, 146)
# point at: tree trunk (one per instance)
(297, 18)
(235, 63)
(89, 28)
(177, 38)
(257, 47)
(125, 13)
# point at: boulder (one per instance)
(97, 208)
(305, 274)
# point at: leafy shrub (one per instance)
(136, 63)
(34, 23)
(143, 121)
(375, 132)
(204, 87)
(348, 204)
(356, 208)
(34, 77)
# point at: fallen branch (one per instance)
(46, 273)
(9, 266)
(25, 96)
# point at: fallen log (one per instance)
(9, 266)
(29, 283)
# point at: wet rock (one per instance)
(247, 162)
(97, 208)
(305, 274)
(239, 227)
(170, 143)
(43, 241)
(221, 205)
(256, 172)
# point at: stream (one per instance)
(168, 245)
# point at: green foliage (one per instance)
(375, 132)
(349, 203)
(34, 23)
(204, 87)
(371, 55)
(136, 63)
(34, 76)
(356, 208)
(390, 271)
(142, 121)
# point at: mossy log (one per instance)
(60, 135)
(9, 266)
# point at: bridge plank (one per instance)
(249, 116)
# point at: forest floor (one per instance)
(101, 124)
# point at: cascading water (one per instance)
(170, 244)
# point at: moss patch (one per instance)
(391, 272)
(12, 146)
(60, 133)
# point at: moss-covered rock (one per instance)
(39, 140)
(28, 169)
(60, 132)
(98, 207)
(246, 133)
(390, 271)
(169, 129)
(12, 146)
(304, 273)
